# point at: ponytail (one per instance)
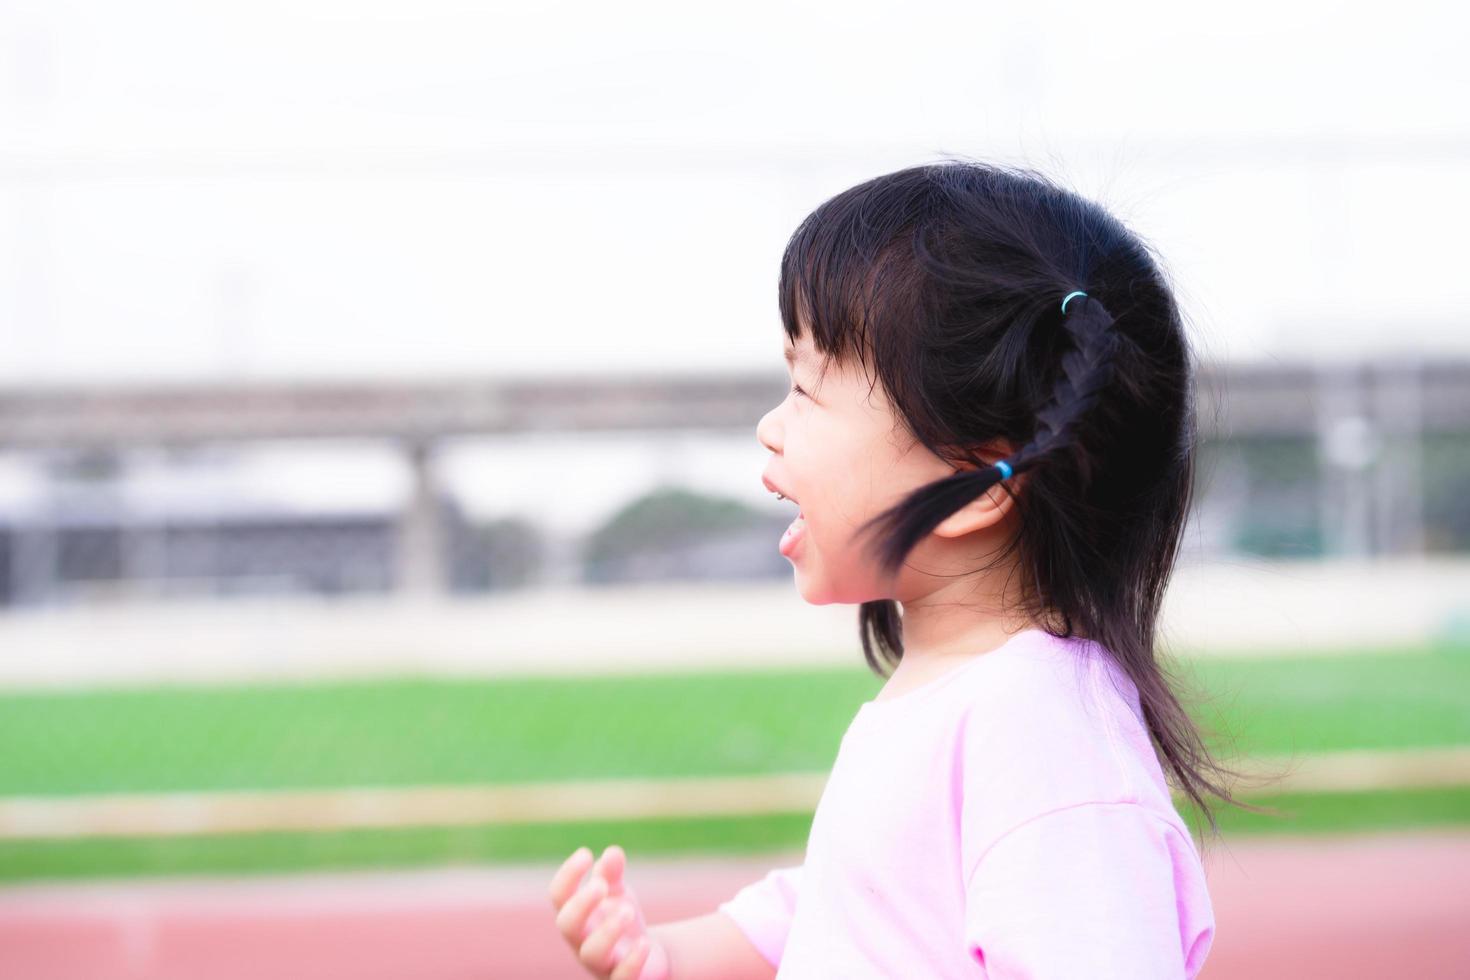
(1086, 370)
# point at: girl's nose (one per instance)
(765, 431)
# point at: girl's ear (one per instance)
(991, 507)
(986, 510)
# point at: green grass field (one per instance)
(415, 731)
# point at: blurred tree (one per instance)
(501, 554)
(675, 533)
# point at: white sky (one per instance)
(314, 189)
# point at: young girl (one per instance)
(990, 437)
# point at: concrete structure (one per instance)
(1362, 426)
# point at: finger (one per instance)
(632, 964)
(594, 952)
(571, 921)
(569, 875)
(611, 866)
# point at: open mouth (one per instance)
(797, 529)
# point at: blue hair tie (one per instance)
(1069, 296)
(1005, 469)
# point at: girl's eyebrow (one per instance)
(793, 356)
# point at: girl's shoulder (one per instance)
(1050, 731)
(1041, 682)
(1030, 658)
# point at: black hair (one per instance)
(947, 279)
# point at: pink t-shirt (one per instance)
(1007, 819)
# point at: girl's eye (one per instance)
(796, 390)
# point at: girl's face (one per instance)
(842, 456)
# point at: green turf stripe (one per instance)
(413, 732)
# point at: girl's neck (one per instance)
(956, 622)
(961, 618)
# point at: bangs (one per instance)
(848, 271)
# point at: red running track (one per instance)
(1349, 906)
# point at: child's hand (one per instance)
(602, 920)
